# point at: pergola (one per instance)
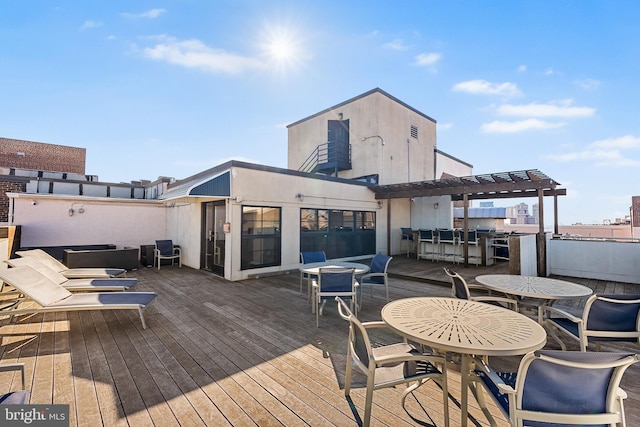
(515, 184)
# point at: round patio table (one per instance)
(469, 328)
(541, 288)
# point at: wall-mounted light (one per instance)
(412, 200)
(78, 210)
(435, 205)
(374, 136)
(379, 204)
(33, 202)
(340, 116)
(238, 199)
(300, 196)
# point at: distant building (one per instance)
(19, 154)
(39, 168)
(519, 214)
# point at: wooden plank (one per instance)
(242, 353)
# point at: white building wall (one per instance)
(45, 220)
(183, 226)
(425, 214)
(401, 158)
(448, 165)
(260, 188)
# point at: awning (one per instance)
(218, 186)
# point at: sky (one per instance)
(172, 88)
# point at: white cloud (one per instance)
(396, 44)
(604, 153)
(518, 126)
(427, 59)
(195, 54)
(445, 126)
(522, 68)
(149, 14)
(90, 24)
(483, 87)
(627, 141)
(562, 108)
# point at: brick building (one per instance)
(36, 156)
(18, 154)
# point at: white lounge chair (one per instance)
(75, 285)
(72, 273)
(48, 296)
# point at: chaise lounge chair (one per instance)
(75, 285)
(51, 297)
(72, 273)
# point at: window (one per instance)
(339, 233)
(261, 238)
(313, 220)
(414, 131)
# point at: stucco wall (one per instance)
(402, 158)
(259, 188)
(602, 260)
(447, 165)
(45, 221)
(183, 226)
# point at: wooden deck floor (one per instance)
(230, 353)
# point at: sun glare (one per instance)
(281, 48)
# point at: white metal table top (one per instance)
(314, 267)
(463, 326)
(533, 287)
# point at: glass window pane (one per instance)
(308, 220)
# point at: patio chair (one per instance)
(308, 258)
(389, 365)
(448, 245)
(334, 282)
(74, 285)
(20, 397)
(377, 275)
(472, 241)
(427, 245)
(48, 296)
(554, 387)
(72, 273)
(165, 249)
(605, 318)
(407, 238)
(460, 289)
